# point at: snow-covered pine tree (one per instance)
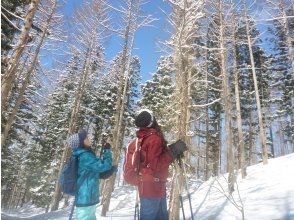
(213, 111)
(157, 93)
(283, 78)
(133, 95)
(15, 151)
(43, 159)
(9, 26)
(90, 22)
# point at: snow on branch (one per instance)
(204, 105)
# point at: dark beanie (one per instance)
(144, 119)
(82, 136)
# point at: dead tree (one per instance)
(10, 73)
(184, 19)
(241, 151)
(133, 21)
(28, 76)
(253, 69)
(226, 94)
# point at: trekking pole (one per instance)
(182, 205)
(138, 207)
(186, 187)
(137, 210)
(180, 196)
(72, 209)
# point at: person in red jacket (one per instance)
(155, 158)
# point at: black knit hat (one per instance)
(144, 119)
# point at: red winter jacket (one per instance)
(155, 160)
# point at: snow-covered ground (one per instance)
(267, 193)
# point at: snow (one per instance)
(267, 193)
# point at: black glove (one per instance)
(106, 146)
(177, 149)
(108, 173)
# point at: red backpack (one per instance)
(132, 163)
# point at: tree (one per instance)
(184, 20)
(283, 71)
(27, 79)
(241, 150)
(89, 23)
(11, 10)
(13, 62)
(252, 62)
(157, 93)
(132, 21)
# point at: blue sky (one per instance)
(145, 41)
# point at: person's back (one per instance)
(151, 174)
(89, 168)
(154, 162)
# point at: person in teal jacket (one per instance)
(89, 168)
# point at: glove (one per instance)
(106, 146)
(108, 173)
(177, 149)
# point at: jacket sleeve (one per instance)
(91, 162)
(158, 156)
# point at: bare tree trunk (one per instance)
(226, 97)
(189, 139)
(216, 153)
(118, 130)
(23, 199)
(241, 150)
(7, 79)
(207, 148)
(182, 130)
(251, 154)
(282, 139)
(10, 200)
(72, 124)
(272, 139)
(260, 119)
(199, 151)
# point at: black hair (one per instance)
(159, 132)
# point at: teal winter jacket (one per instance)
(89, 167)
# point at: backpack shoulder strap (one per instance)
(139, 143)
(84, 177)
